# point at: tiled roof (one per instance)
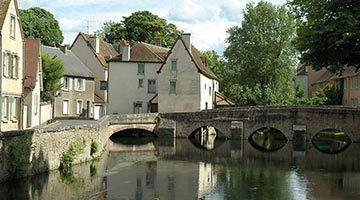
(143, 52)
(106, 52)
(72, 64)
(196, 58)
(32, 61)
(4, 6)
(349, 72)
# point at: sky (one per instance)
(206, 20)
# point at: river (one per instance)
(185, 169)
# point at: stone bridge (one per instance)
(240, 123)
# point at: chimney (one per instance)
(125, 50)
(97, 44)
(186, 37)
(157, 41)
(64, 49)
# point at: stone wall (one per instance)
(46, 147)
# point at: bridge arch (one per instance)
(114, 129)
(283, 129)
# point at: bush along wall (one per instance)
(74, 150)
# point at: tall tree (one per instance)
(329, 33)
(261, 58)
(40, 23)
(53, 71)
(142, 26)
(112, 31)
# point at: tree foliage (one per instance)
(142, 26)
(40, 23)
(329, 33)
(53, 71)
(261, 57)
(334, 95)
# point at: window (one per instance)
(6, 64)
(12, 26)
(172, 86)
(141, 69)
(205, 86)
(141, 83)
(65, 83)
(5, 108)
(79, 107)
(36, 104)
(65, 107)
(206, 106)
(152, 86)
(14, 103)
(138, 107)
(103, 85)
(210, 91)
(79, 84)
(174, 65)
(14, 66)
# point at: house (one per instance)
(348, 82)
(186, 83)
(149, 78)
(33, 83)
(302, 78)
(93, 51)
(76, 98)
(11, 81)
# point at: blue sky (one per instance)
(207, 20)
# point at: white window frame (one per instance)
(5, 109)
(65, 87)
(65, 112)
(79, 109)
(82, 84)
(12, 26)
(6, 63)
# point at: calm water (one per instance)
(179, 169)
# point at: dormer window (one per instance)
(12, 26)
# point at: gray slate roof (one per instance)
(72, 64)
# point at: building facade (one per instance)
(149, 78)
(76, 97)
(11, 81)
(302, 78)
(33, 83)
(93, 52)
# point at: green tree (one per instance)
(334, 95)
(299, 90)
(40, 23)
(112, 31)
(329, 33)
(142, 26)
(53, 71)
(261, 57)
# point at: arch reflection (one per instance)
(331, 141)
(268, 139)
(205, 137)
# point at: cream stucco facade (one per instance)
(180, 85)
(11, 70)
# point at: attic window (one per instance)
(174, 65)
(12, 26)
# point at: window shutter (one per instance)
(84, 82)
(70, 83)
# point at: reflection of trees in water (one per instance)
(331, 141)
(268, 139)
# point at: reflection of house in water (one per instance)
(206, 136)
(207, 179)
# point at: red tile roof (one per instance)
(106, 52)
(32, 61)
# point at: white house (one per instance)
(33, 83)
(93, 52)
(149, 78)
(11, 81)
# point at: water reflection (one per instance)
(177, 169)
(331, 141)
(205, 137)
(268, 139)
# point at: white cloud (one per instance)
(207, 20)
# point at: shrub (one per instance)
(75, 149)
(94, 148)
